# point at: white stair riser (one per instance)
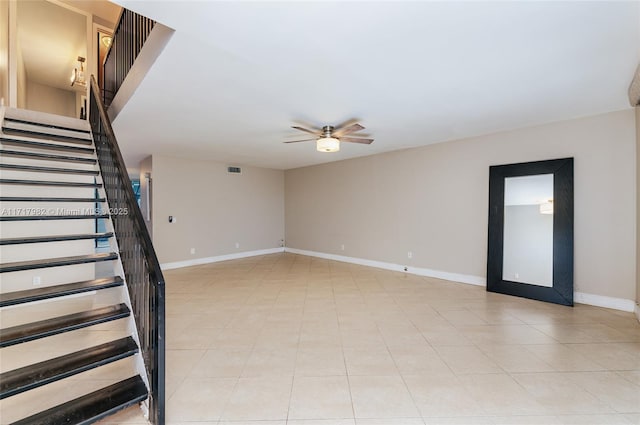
(41, 117)
(40, 251)
(47, 396)
(46, 163)
(11, 208)
(23, 280)
(28, 175)
(46, 309)
(39, 350)
(25, 148)
(19, 229)
(47, 191)
(12, 125)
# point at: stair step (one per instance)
(56, 262)
(52, 217)
(94, 406)
(57, 325)
(46, 157)
(57, 127)
(27, 199)
(29, 377)
(36, 169)
(49, 183)
(47, 136)
(61, 238)
(38, 294)
(47, 146)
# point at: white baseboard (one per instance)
(455, 277)
(218, 258)
(603, 301)
(579, 297)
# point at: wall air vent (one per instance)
(235, 170)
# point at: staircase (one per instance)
(69, 349)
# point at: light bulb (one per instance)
(328, 144)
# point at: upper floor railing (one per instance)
(143, 276)
(128, 38)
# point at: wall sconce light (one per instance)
(77, 76)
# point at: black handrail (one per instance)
(127, 41)
(141, 267)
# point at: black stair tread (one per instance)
(60, 238)
(35, 375)
(48, 146)
(46, 157)
(47, 136)
(92, 407)
(37, 294)
(57, 325)
(37, 169)
(48, 199)
(52, 217)
(57, 262)
(48, 183)
(42, 124)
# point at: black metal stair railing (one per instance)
(127, 41)
(141, 267)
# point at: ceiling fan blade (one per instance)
(297, 141)
(356, 140)
(348, 130)
(306, 130)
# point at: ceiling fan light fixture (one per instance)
(328, 144)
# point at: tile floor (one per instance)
(287, 339)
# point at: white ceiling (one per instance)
(236, 75)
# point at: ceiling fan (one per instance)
(328, 139)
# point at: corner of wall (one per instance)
(637, 117)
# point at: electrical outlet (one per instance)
(409, 254)
(37, 280)
(193, 251)
(237, 244)
(342, 247)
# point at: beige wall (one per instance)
(637, 109)
(21, 76)
(50, 99)
(433, 201)
(214, 210)
(4, 53)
